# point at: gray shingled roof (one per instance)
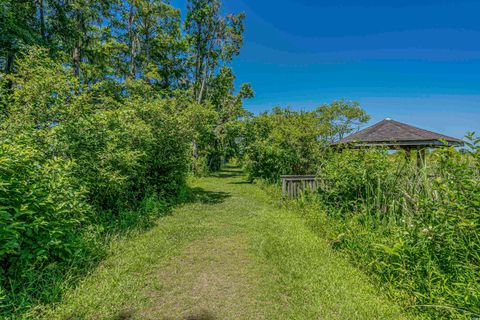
(393, 133)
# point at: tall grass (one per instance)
(416, 231)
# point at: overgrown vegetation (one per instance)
(285, 141)
(414, 230)
(71, 165)
(105, 109)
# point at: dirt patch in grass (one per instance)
(213, 278)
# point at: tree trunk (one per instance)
(131, 20)
(42, 20)
(204, 82)
(195, 149)
(77, 48)
(9, 69)
(9, 62)
(210, 38)
(146, 45)
(76, 56)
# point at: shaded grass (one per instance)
(200, 195)
(229, 253)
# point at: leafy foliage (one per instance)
(72, 160)
(41, 206)
(416, 231)
(105, 107)
(291, 142)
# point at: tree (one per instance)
(213, 41)
(83, 20)
(340, 118)
(285, 141)
(229, 106)
(18, 30)
(149, 38)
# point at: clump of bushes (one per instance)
(416, 231)
(74, 160)
(284, 141)
(42, 207)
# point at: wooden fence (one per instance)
(293, 186)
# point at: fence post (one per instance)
(284, 186)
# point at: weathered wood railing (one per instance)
(293, 186)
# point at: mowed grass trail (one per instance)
(230, 253)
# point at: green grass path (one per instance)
(230, 253)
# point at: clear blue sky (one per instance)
(413, 61)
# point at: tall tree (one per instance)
(229, 106)
(73, 27)
(18, 30)
(149, 38)
(213, 41)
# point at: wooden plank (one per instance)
(293, 185)
(298, 177)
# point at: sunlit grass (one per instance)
(264, 256)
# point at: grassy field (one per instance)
(230, 253)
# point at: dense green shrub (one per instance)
(125, 151)
(416, 230)
(43, 208)
(285, 142)
(280, 142)
(122, 147)
(75, 162)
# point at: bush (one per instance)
(286, 142)
(76, 162)
(278, 143)
(416, 231)
(123, 152)
(42, 210)
(42, 206)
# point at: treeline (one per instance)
(143, 43)
(105, 108)
(117, 39)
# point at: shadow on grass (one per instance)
(48, 284)
(204, 315)
(125, 315)
(199, 195)
(241, 182)
(226, 174)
